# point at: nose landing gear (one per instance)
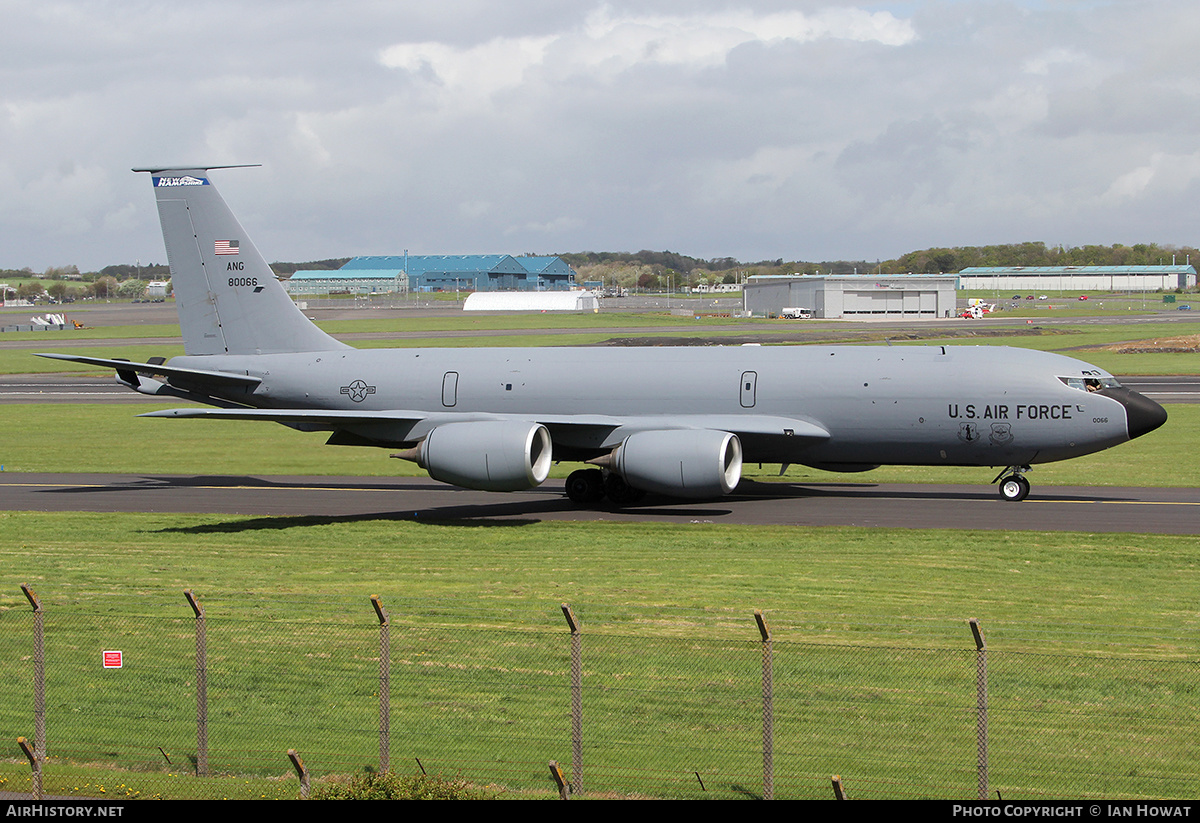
(1014, 486)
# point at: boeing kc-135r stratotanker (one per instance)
(675, 421)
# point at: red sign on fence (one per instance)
(112, 659)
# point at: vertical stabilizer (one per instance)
(229, 301)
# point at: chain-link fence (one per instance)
(210, 697)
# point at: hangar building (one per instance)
(1077, 278)
(862, 296)
(465, 272)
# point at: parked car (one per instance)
(1083, 297)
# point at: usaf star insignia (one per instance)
(358, 391)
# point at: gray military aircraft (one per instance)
(675, 421)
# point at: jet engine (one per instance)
(489, 455)
(678, 462)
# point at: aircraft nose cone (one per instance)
(1142, 415)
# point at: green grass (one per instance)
(114, 561)
(149, 331)
(874, 661)
(64, 778)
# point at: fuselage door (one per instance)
(450, 388)
(749, 387)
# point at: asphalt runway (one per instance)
(279, 502)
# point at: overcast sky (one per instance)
(758, 130)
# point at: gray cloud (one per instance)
(758, 130)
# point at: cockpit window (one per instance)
(1091, 383)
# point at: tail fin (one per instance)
(229, 301)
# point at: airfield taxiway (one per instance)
(279, 502)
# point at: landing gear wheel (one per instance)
(1014, 487)
(585, 486)
(620, 492)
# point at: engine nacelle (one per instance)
(680, 462)
(489, 455)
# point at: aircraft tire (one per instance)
(1014, 488)
(620, 492)
(585, 486)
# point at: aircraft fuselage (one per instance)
(966, 406)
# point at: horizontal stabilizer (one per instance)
(126, 368)
(204, 166)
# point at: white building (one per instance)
(1019, 279)
(859, 296)
(576, 300)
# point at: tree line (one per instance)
(653, 270)
(942, 261)
(66, 284)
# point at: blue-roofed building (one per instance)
(442, 272)
(337, 281)
(1077, 278)
(547, 268)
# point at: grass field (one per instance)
(870, 635)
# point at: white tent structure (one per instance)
(531, 301)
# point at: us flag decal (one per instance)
(226, 247)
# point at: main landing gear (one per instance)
(1014, 486)
(589, 486)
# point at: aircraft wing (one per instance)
(614, 429)
(596, 431)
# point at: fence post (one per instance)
(39, 675)
(576, 700)
(768, 707)
(564, 791)
(35, 765)
(981, 708)
(385, 679)
(201, 685)
(301, 772)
